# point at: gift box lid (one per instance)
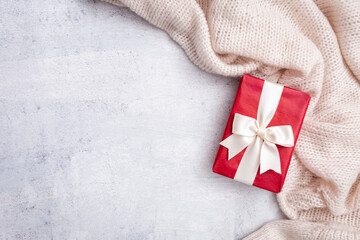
(290, 110)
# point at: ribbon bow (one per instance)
(259, 139)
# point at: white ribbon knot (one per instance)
(259, 140)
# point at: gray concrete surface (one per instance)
(108, 131)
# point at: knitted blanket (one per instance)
(313, 46)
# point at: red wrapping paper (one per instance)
(290, 111)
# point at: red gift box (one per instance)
(261, 133)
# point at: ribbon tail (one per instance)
(249, 164)
(269, 158)
(235, 144)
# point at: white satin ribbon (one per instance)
(259, 139)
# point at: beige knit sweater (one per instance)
(313, 46)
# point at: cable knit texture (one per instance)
(313, 46)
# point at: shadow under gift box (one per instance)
(290, 111)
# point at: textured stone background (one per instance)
(108, 131)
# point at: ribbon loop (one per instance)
(244, 125)
(280, 135)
